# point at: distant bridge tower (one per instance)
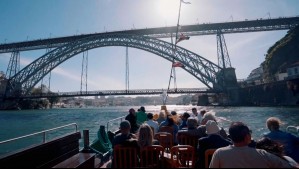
(84, 72)
(227, 76)
(13, 65)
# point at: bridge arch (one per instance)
(201, 68)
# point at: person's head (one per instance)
(212, 127)
(192, 123)
(239, 133)
(206, 117)
(270, 146)
(173, 113)
(150, 116)
(273, 123)
(162, 114)
(203, 112)
(186, 116)
(194, 111)
(125, 127)
(145, 135)
(132, 111)
(142, 109)
(170, 120)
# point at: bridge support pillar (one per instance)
(3, 84)
(203, 100)
(227, 78)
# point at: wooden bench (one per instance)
(80, 160)
(44, 155)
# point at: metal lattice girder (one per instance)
(256, 25)
(201, 68)
(222, 52)
(13, 65)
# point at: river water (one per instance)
(23, 122)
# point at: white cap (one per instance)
(212, 127)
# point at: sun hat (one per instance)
(212, 127)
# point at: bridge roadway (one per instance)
(282, 23)
(119, 92)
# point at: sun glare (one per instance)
(168, 9)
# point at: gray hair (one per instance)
(192, 122)
(125, 125)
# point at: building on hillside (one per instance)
(281, 76)
(293, 71)
(255, 76)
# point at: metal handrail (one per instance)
(44, 133)
(121, 119)
(293, 129)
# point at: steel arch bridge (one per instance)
(201, 68)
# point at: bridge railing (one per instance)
(120, 92)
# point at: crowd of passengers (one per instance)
(235, 148)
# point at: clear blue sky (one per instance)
(36, 19)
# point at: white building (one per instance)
(293, 71)
(255, 76)
(281, 76)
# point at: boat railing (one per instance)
(293, 130)
(120, 119)
(44, 132)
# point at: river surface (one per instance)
(18, 123)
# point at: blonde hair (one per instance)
(162, 114)
(145, 135)
(273, 123)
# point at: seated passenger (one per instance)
(141, 116)
(184, 118)
(289, 141)
(275, 148)
(240, 155)
(124, 134)
(192, 129)
(145, 136)
(161, 117)
(213, 141)
(131, 117)
(152, 123)
(170, 122)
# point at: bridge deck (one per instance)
(164, 32)
(119, 92)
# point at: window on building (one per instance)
(290, 72)
(296, 70)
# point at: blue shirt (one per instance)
(289, 141)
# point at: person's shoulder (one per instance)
(223, 149)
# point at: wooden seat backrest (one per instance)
(125, 157)
(183, 156)
(185, 139)
(208, 156)
(150, 156)
(165, 140)
(167, 129)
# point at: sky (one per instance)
(36, 19)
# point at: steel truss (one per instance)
(282, 23)
(201, 68)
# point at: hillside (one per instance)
(281, 55)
